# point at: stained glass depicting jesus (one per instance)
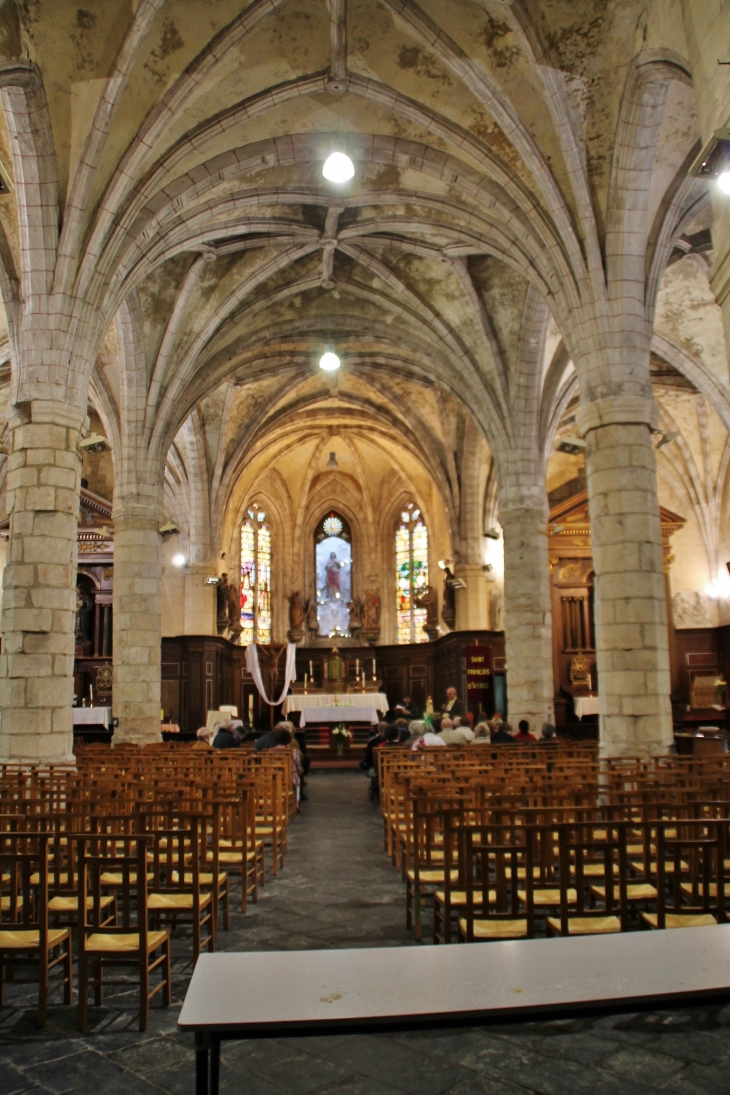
(333, 558)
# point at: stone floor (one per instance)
(338, 889)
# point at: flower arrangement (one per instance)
(341, 734)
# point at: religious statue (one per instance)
(448, 609)
(371, 616)
(312, 621)
(296, 617)
(221, 595)
(497, 612)
(235, 627)
(371, 610)
(428, 600)
(332, 578)
(84, 617)
(355, 623)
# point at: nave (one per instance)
(339, 889)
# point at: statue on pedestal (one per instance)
(221, 597)
(235, 626)
(296, 617)
(371, 616)
(448, 609)
(312, 620)
(428, 600)
(355, 623)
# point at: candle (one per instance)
(305, 682)
(311, 672)
(250, 707)
(357, 667)
(374, 672)
(91, 694)
(363, 680)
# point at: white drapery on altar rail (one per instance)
(290, 671)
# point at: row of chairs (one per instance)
(509, 846)
(127, 848)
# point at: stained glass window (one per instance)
(411, 566)
(255, 578)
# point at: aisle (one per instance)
(338, 888)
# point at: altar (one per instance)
(336, 707)
(585, 705)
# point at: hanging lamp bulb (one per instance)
(338, 167)
(332, 464)
(329, 361)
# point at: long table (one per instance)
(284, 993)
(378, 700)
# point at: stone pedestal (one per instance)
(137, 621)
(472, 603)
(39, 585)
(528, 618)
(631, 611)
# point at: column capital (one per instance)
(617, 410)
(50, 412)
(516, 503)
(138, 510)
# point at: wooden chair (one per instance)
(697, 893)
(176, 895)
(494, 860)
(129, 942)
(580, 847)
(25, 936)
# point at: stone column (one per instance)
(200, 602)
(137, 619)
(528, 616)
(39, 584)
(472, 603)
(631, 607)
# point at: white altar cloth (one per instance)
(92, 716)
(585, 705)
(378, 700)
(338, 714)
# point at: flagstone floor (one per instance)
(338, 889)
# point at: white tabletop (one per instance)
(378, 700)
(283, 990)
(338, 714)
(92, 716)
(585, 705)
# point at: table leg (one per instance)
(215, 1064)
(202, 1043)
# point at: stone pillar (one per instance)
(137, 620)
(631, 607)
(200, 601)
(528, 616)
(472, 603)
(39, 584)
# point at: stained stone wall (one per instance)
(39, 582)
(137, 622)
(631, 613)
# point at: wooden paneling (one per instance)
(423, 669)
